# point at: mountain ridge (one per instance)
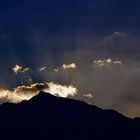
(48, 113)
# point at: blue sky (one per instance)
(22, 20)
(32, 30)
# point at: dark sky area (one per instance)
(58, 26)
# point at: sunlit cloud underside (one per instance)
(21, 93)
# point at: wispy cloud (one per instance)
(42, 68)
(106, 62)
(18, 69)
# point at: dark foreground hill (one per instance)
(46, 116)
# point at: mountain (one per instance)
(46, 116)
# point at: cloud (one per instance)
(33, 88)
(62, 90)
(10, 96)
(18, 69)
(27, 92)
(56, 69)
(42, 68)
(25, 70)
(89, 95)
(106, 62)
(115, 35)
(69, 66)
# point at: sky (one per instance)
(100, 37)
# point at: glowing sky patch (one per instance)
(27, 92)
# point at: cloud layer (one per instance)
(21, 93)
(106, 67)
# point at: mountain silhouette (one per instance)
(48, 116)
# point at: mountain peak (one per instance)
(42, 96)
(48, 112)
